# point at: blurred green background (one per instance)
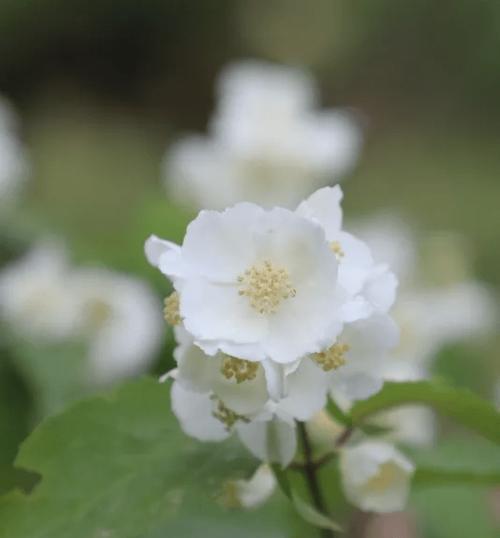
(102, 87)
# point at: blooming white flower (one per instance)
(34, 296)
(271, 313)
(267, 143)
(207, 418)
(13, 165)
(119, 316)
(256, 284)
(376, 476)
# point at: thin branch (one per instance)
(309, 469)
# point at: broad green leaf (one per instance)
(429, 476)
(308, 512)
(118, 466)
(458, 461)
(452, 486)
(56, 374)
(460, 404)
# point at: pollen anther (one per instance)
(266, 286)
(332, 358)
(336, 248)
(171, 311)
(239, 369)
(227, 416)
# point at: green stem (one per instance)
(311, 476)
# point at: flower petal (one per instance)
(323, 207)
(272, 441)
(194, 411)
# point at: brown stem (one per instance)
(309, 469)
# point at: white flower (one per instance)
(256, 284)
(246, 387)
(375, 476)
(205, 417)
(120, 317)
(373, 283)
(429, 315)
(34, 295)
(44, 298)
(368, 343)
(13, 165)
(253, 492)
(267, 143)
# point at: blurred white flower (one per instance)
(267, 143)
(376, 476)
(119, 316)
(255, 491)
(45, 299)
(13, 166)
(429, 316)
(35, 296)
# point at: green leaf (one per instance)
(452, 485)
(435, 476)
(458, 461)
(313, 516)
(118, 466)
(303, 508)
(460, 404)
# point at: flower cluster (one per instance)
(272, 310)
(46, 300)
(267, 142)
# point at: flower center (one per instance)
(225, 415)
(266, 286)
(332, 358)
(171, 310)
(239, 369)
(385, 476)
(336, 248)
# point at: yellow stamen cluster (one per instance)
(337, 249)
(386, 475)
(171, 311)
(266, 286)
(332, 358)
(98, 314)
(228, 417)
(239, 369)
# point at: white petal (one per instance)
(323, 207)
(273, 441)
(243, 398)
(194, 412)
(380, 288)
(220, 245)
(196, 370)
(307, 390)
(353, 385)
(217, 312)
(356, 264)
(155, 247)
(275, 378)
(256, 491)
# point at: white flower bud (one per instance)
(376, 476)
